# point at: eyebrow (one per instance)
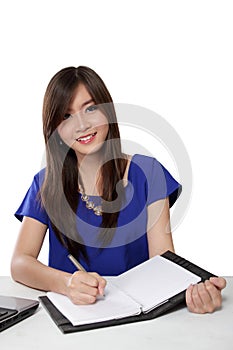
(86, 103)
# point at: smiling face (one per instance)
(84, 127)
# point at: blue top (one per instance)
(148, 181)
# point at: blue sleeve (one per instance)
(161, 184)
(31, 205)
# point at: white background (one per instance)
(173, 57)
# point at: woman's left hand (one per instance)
(205, 297)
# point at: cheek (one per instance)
(101, 123)
(65, 133)
(103, 130)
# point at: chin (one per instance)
(89, 150)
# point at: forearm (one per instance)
(31, 272)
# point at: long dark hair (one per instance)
(59, 190)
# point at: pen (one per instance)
(76, 263)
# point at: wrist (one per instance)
(60, 282)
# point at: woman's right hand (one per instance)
(84, 287)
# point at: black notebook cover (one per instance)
(178, 300)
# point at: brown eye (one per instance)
(66, 116)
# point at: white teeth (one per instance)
(86, 138)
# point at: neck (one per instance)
(89, 168)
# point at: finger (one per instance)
(219, 282)
(87, 289)
(101, 289)
(84, 283)
(214, 293)
(90, 279)
(189, 299)
(206, 298)
(101, 283)
(82, 299)
(83, 287)
(197, 301)
(93, 284)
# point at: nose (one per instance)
(81, 123)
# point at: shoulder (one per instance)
(143, 159)
(37, 181)
(39, 177)
(40, 173)
(142, 169)
(158, 181)
(31, 205)
(145, 163)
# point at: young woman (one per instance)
(108, 209)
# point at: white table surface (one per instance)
(179, 329)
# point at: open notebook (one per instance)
(137, 291)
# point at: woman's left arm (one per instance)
(201, 298)
(158, 228)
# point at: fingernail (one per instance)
(213, 278)
(101, 291)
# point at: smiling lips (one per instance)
(87, 138)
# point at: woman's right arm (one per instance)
(81, 288)
(26, 269)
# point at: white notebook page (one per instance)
(115, 304)
(155, 281)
